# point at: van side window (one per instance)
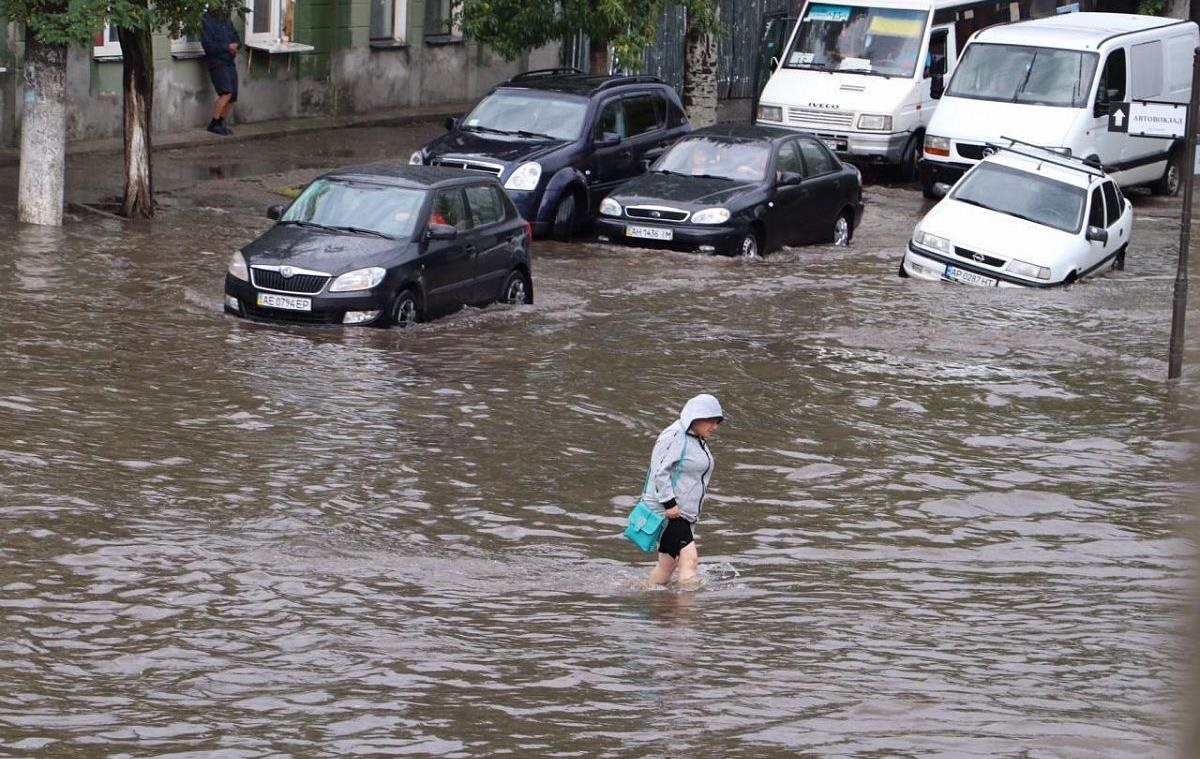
(1112, 202)
(644, 113)
(1147, 60)
(1112, 79)
(611, 119)
(1096, 214)
(935, 59)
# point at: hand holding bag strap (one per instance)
(678, 468)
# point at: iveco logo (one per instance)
(286, 272)
(978, 257)
(656, 214)
(989, 151)
(823, 105)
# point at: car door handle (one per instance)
(627, 154)
(469, 249)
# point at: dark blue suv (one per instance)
(561, 140)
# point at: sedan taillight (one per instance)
(528, 231)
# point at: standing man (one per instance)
(220, 40)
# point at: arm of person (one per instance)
(663, 460)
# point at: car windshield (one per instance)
(358, 206)
(528, 115)
(1023, 194)
(862, 40)
(705, 157)
(1022, 74)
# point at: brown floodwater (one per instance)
(945, 521)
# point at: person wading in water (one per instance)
(680, 468)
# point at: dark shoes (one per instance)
(217, 126)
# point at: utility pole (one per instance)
(1175, 362)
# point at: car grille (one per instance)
(973, 152)
(300, 284)
(982, 258)
(656, 213)
(292, 317)
(464, 163)
(806, 117)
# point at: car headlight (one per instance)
(416, 159)
(933, 242)
(610, 207)
(359, 279)
(770, 113)
(875, 122)
(711, 216)
(525, 177)
(935, 145)
(237, 266)
(1028, 270)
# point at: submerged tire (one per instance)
(565, 218)
(750, 246)
(1172, 178)
(517, 290)
(843, 229)
(406, 309)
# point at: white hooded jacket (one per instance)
(696, 466)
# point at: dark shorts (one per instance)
(225, 81)
(677, 535)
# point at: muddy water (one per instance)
(944, 521)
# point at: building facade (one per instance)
(299, 58)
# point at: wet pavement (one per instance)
(945, 521)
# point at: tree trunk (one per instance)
(43, 133)
(700, 75)
(137, 61)
(598, 62)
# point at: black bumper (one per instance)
(327, 308)
(684, 237)
(932, 172)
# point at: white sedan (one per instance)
(1023, 217)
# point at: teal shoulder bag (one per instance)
(645, 524)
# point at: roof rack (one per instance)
(636, 79)
(539, 73)
(1051, 155)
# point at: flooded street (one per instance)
(945, 521)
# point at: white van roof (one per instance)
(1073, 31)
(920, 5)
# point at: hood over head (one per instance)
(703, 406)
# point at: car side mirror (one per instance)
(789, 178)
(275, 213)
(451, 123)
(441, 232)
(774, 64)
(937, 86)
(1097, 234)
(608, 140)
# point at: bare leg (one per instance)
(222, 106)
(689, 565)
(228, 107)
(661, 574)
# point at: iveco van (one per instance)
(1050, 82)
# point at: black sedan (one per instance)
(384, 245)
(742, 190)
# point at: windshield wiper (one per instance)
(363, 231)
(527, 133)
(713, 176)
(481, 128)
(970, 202)
(1025, 81)
(312, 224)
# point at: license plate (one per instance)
(286, 302)
(968, 277)
(650, 233)
(838, 146)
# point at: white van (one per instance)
(1050, 82)
(865, 75)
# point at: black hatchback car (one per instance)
(561, 140)
(384, 245)
(738, 190)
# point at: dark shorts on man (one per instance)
(225, 80)
(675, 537)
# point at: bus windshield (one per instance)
(858, 39)
(1023, 74)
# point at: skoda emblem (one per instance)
(286, 272)
(978, 257)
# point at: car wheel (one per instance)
(1172, 178)
(749, 247)
(913, 151)
(842, 230)
(564, 218)
(517, 290)
(406, 309)
(903, 274)
(1118, 263)
(928, 193)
